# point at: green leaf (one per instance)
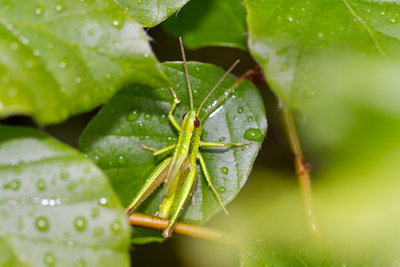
(210, 23)
(138, 115)
(288, 37)
(8, 254)
(151, 12)
(62, 58)
(56, 206)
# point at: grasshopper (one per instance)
(179, 171)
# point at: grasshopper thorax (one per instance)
(190, 121)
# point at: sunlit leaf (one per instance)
(62, 58)
(56, 206)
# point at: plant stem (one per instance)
(196, 231)
(302, 168)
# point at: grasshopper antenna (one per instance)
(187, 73)
(218, 83)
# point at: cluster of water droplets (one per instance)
(36, 196)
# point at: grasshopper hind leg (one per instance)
(155, 179)
(184, 195)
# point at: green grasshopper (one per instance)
(179, 172)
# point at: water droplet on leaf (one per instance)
(13, 185)
(116, 227)
(133, 114)
(49, 259)
(42, 224)
(41, 184)
(80, 223)
(121, 160)
(253, 134)
(224, 170)
(221, 189)
(59, 7)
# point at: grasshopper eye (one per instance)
(184, 116)
(196, 122)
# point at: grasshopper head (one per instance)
(190, 121)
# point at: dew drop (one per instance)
(39, 10)
(59, 7)
(108, 76)
(80, 223)
(78, 79)
(147, 2)
(240, 110)
(13, 185)
(36, 52)
(139, 1)
(121, 160)
(169, 10)
(224, 170)
(42, 224)
(14, 46)
(320, 35)
(163, 118)
(221, 139)
(117, 23)
(147, 117)
(133, 114)
(212, 157)
(49, 259)
(103, 201)
(253, 134)
(41, 184)
(221, 189)
(393, 20)
(249, 119)
(63, 65)
(116, 227)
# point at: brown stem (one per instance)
(156, 223)
(302, 168)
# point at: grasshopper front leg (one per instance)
(171, 112)
(157, 152)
